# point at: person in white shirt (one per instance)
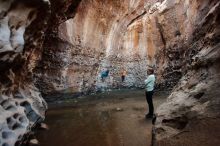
(149, 90)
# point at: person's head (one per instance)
(150, 71)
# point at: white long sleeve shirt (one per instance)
(149, 83)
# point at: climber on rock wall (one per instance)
(123, 74)
(104, 74)
(149, 91)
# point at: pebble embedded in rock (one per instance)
(44, 126)
(33, 142)
(119, 109)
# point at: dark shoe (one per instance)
(154, 119)
(149, 116)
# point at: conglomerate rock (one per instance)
(92, 41)
(119, 35)
(48, 73)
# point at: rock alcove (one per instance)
(50, 46)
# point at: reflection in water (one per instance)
(78, 127)
(115, 119)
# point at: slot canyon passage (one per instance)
(53, 51)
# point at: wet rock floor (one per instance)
(106, 119)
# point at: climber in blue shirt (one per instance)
(104, 74)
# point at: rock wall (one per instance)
(191, 112)
(123, 35)
(21, 33)
(97, 38)
(49, 72)
(179, 38)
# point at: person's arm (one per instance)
(148, 80)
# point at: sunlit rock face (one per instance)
(102, 35)
(191, 112)
(21, 104)
(123, 35)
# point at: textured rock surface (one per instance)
(21, 104)
(191, 111)
(95, 39)
(49, 72)
(123, 35)
(180, 38)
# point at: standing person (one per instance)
(123, 74)
(149, 86)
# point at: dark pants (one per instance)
(122, 78)
(149, 96)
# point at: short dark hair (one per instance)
(151, 70)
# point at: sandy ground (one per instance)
(107, 119)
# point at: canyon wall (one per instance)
(99, 37)
(21, 34)
(191, 113)
(48, 74)
(123, 35)
(179, 38)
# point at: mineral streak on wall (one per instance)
(102, 35)
(192, 110)
(76, 39)
(120, 35)
(180, 38)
